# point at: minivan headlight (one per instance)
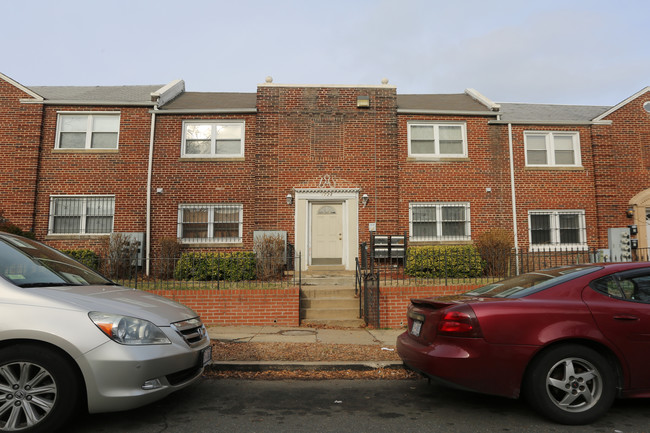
(128, 330)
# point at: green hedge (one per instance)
(237, 266)
(444, 261)
(87, 257)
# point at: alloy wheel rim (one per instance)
(28, 393)
(574, 385)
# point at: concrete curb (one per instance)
(303, 366)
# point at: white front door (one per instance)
(327, 234)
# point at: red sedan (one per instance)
(569, 339)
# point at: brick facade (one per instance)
(310, 142)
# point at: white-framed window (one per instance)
(213, 223)
(556, 149)
(557, 229)
(97, 130)
(437, 140)
(221, 139)
(81, 214)
(442, 221)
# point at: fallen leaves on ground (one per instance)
(306, 352)
(376, 374)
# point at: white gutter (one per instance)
(513, 195)
(149, 177)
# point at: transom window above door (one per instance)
(437, 140)
(213, 139)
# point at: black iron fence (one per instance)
(200, 271)
(459, 265)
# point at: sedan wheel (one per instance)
(571, 384)
(38, 389)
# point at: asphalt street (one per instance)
(230, 405)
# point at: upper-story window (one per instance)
(437, 140)
(443, 221)
(87, 131)
(213, 139)
(81, 214)
(558, 149)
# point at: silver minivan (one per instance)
(71, 339)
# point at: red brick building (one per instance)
(326, 165)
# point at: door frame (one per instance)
(349, 200)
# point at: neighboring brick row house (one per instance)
(327, 165)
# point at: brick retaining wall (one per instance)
(241, 307)
(281, 307)
(395, 300)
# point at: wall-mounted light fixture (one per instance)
(363, 101)
(629, 212)
(289, 199)
(364, 199)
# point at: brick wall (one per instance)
(122, 173)
(20, 135)
(270, 307)
(305, 133)
(395, 300)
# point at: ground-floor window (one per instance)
(81, 214)
(210, 223)
(440, 221)
(553, 229)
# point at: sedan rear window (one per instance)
(532, 282)
(30, 264)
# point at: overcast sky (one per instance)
(553, 51)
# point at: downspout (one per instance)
(149, 177)
(514, 196)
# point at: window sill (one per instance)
(553, 168)
(212, 244)
(85, 151)
(75, 236)
(562, 248)
(211, 159)
(417, 243)
(437, 159)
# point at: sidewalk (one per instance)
(279, 334)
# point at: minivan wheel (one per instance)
(38, 389)
(571, 384)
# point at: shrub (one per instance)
(444, 261)
(271, 259)
(495, 246)
(118, 252)
(85, 256)
(237, 266)
(8, 227)
(170, 250)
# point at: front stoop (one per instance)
(327, 298)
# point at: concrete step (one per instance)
(329, 303)
(327, 292)
(339, 323)
(327, 281)
(330, 313)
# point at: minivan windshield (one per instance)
(28, 263)
(532, 282)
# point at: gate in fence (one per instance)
(367, 288)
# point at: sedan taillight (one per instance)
(459, 321)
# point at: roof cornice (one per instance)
(447, 112)
(88, 103)
(210, 111)
(621, 104)
(16, 84)
(551, 122)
